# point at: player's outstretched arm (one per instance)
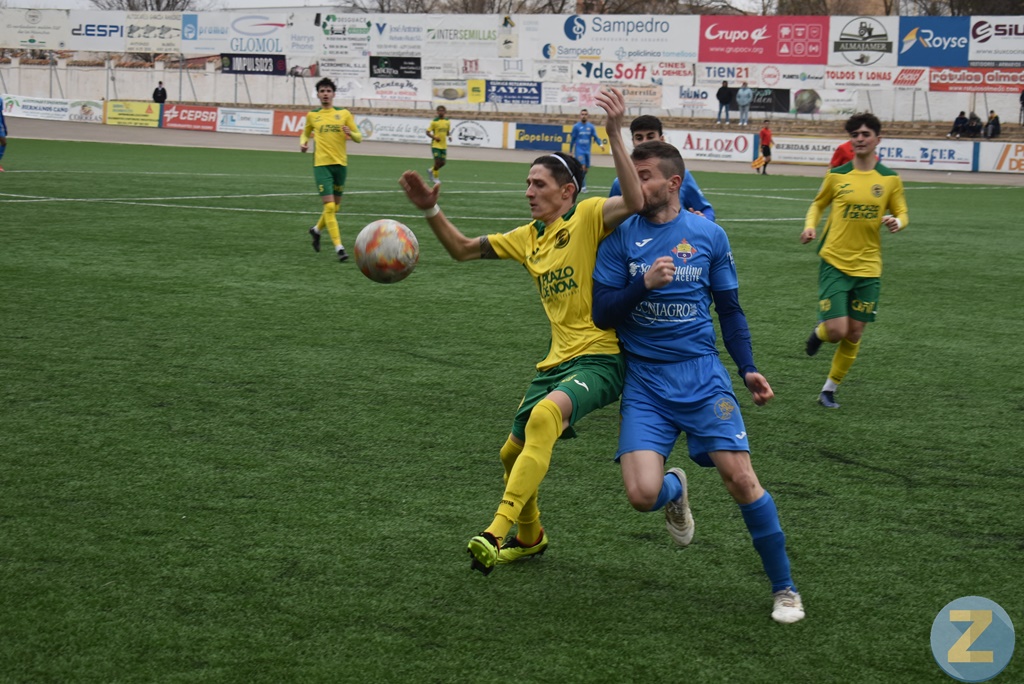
(617, 210)
(460, 247)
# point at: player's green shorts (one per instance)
(845, 295)
(591, 381)
(439, 153)
(330, 180)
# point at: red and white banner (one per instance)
(968, 80)
(764, 40)
(905, 78)
(289, 123)
(190, 117)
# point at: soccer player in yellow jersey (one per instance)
(583, 369)
(439, 132)
(331, 129)
(865, 197)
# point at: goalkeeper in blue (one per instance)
(655, 281)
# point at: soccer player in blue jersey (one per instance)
(583, 368)
(645, 128)
(583, 135)
(3, 135)
(655, 281)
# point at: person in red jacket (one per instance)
(842, 155)
(766, 147)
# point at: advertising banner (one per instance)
(457, 35)
(96, 31)
(641, 95)
(688, 97)
(996, 42)
(554, 72)
(614, 72)
(205, 33)
(968, 80)
(764, 40)
(863, 41)
(344, 69)
(934, 41)
(289, 123)
(540, 137)
(947, 155)
(190, 117)
(450, 90)
(838, 78)
(1001, 157)
(812, 101)
(346, 35)
(395, 67)
(619, 37)
(267, 65)
(303, 36)
(673, 73)
(570, 94)
(769, 100)
(514, 92)
(153, 32)
(792, 150)
(34, 29)
(477, 133)
(145, 114)
(257, 121)
(35, 108)
(86, 111)
(760, 75)
(397, 89)
(259, 34)
(398, 35)
(713, 146)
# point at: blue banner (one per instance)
(541, 137)
(514, 92)
(934, 41)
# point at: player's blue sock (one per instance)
(671, 489)
(762, 519)
(2, 149)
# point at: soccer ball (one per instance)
(386, 251)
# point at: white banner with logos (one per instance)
(620, 37)
(395, 89)
(96, 31)
(689, 97)
(1001, 157)
(258, 121)
(464, 132)
(713, 146)
(944, 155)
(86, 111)
(791, 150)
(570, 94)
(34, 29)
(35, 107)
(152, 32)
(902, 78)
(864, 41)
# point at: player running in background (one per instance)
(655, 281)
(3, 134)
(331, 129)
(583, 135)
(439, 132)
(583, 368)
(864, 196)
(647, 127)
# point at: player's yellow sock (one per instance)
(821, 332)
(509, 453)
(542, 431)
(331, 220)
(321, 223)
(529, 522)
(846, 354)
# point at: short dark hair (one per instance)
(863, 119)
(568, 170)
(326, 82)
(646, 122)
(669, 160)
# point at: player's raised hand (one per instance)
(417, 191)
(661, 273)
(808, 235)
(613, 103)
(759, 388)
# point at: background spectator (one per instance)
(959, 126)
(992, 127)
(973, 125)
(159, 93)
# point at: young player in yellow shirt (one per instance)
(331, 129)
(865, 197)
(439, 132)
(583, 369)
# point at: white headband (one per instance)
(566, 165)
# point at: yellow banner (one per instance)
(477, 90)
(121, 113)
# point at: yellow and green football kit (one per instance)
(583, 361)
(330, 161)
(440, 129)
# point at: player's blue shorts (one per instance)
(661, 400)
(3, 125)
(583, 158)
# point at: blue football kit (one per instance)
(690, 196)
(581, 139)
